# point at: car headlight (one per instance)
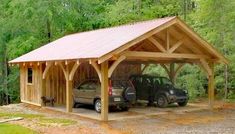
(171, 91)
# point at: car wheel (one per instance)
(98, 106)
(161, 101)
(182, 104)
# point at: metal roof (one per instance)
(91, 44)
(99, 43)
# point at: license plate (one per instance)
(117, 99)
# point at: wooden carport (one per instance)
(167, 41)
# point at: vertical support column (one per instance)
(43, 91)
(211, 86)
(68, 90)
(42, 85)
(69, 96)
(172, 73)
(104, 91)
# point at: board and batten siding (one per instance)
(30, 92)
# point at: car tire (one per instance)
(161, 101)
(76, 105)
(182, 104)
(97, 105)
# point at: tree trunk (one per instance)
(185, 10)
(48, 30)
(226, 82)
(139, 5)
(5, 85)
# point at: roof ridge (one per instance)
(122, 25)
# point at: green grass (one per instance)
(57, 121)
(15, 129)
(28, 116)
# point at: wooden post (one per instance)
(211, 87)
(42, 86)
(104, 91)
(68, 91)
(69, 96)
(172, 73)
(167, 40)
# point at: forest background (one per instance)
(28, 24)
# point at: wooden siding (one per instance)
(30, 92)
(54, 84)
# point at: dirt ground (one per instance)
(219, 120)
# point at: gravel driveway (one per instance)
(220, 120)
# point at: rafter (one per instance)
(157, 44)
(137, 40)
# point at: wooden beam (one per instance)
(157, 44)
(115, 64)
(96, 67)
(139, 54)
(46, 70)
(167, 40)
(206, 66)
(74, 69)
(172, 73)
(64, 71)
(179, 67)
(211, 86)
(175, 46)
(104, 91)
(69, 100)
(189, 31)
(145, 66)
(166, 69)
(137, 40)
(187, 43)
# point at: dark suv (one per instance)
(159, 90)
(121, 94)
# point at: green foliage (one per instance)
(29, 24)
(192, 79)
(15, 129)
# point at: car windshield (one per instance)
(166, 81)
(120, 83)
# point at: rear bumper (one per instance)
(118, 101)
(174, 98)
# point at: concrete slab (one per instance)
(135, 112)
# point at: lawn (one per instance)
(56, 121)
(28, 116)
(15, 129)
